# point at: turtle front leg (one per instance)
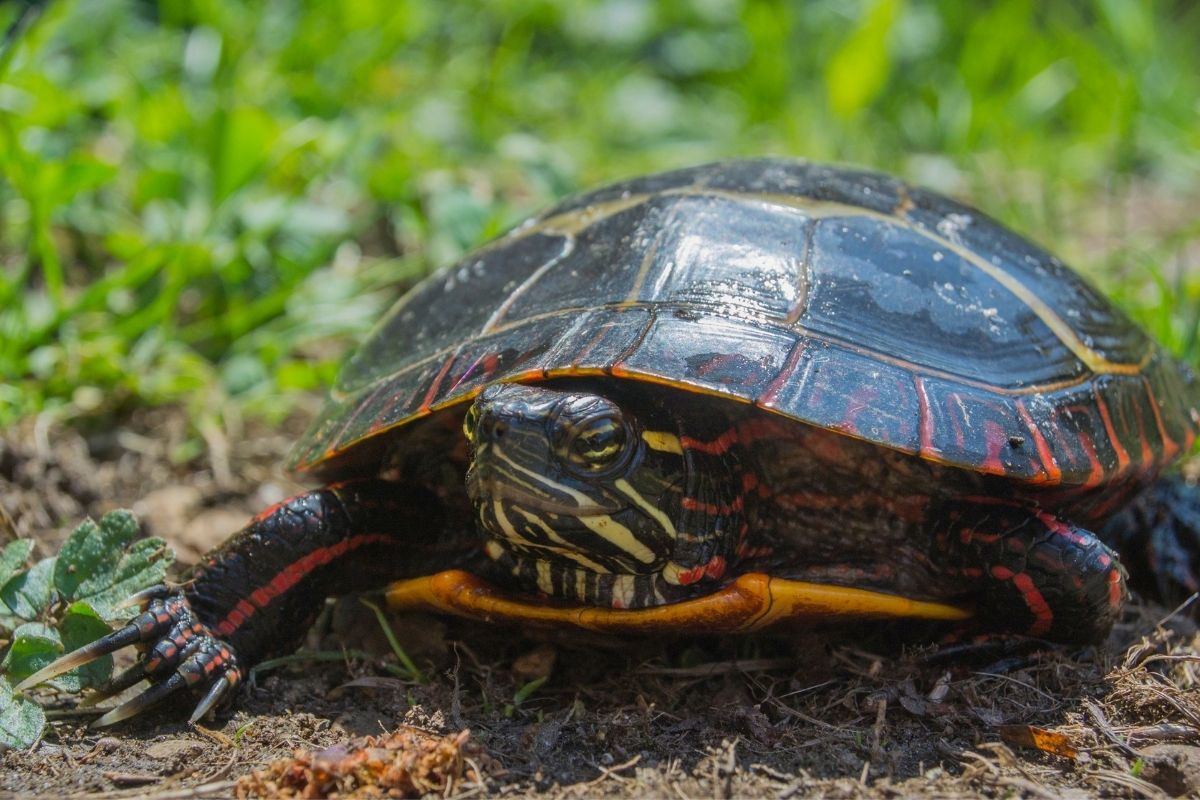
(1034, 574)
(256, 595)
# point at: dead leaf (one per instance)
(1047, 741)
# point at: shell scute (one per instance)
(833, 297)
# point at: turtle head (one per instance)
(566, 480)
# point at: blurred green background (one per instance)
(206, 202)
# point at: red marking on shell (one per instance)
(1147, 451)
(768, 397)
(715, 568)
(289, 576)
(489, 363)
(338, 440)
(1049, 465)
(995, 441)
(1106, 417)
(926, 422)
(960, 437)
(1170, 446)
(1096, 475)
(859, 401)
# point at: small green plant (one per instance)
(522, 694)
(410, 670)
(64, 602)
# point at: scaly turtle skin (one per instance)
(714, 400)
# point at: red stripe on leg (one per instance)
(289, 576)
(1043, 617)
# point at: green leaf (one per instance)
(82, 625)
(27, 594)
(21, 720)
(244, 144)
(14, 559)
(858, 71)
(88, 570)
(526, 691)
(34, 645)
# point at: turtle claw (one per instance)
(84, 655)
(214, 696)
(156, 693)
(143, 598)
(178, 651)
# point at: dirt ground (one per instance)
(848, 713)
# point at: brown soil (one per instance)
(838, 714)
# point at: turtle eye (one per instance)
(598, 444)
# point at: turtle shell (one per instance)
(838, 298)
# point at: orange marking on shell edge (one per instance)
(1118, 448)
(1049, 466)
(1170, 446)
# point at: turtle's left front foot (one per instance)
(179, 651)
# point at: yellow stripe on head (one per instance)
(662, 441)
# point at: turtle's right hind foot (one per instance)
(1158, 536)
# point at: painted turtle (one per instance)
(710, 400)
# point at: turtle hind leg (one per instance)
(1158, 536)
(1033, 573)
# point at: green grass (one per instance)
(206, 202)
